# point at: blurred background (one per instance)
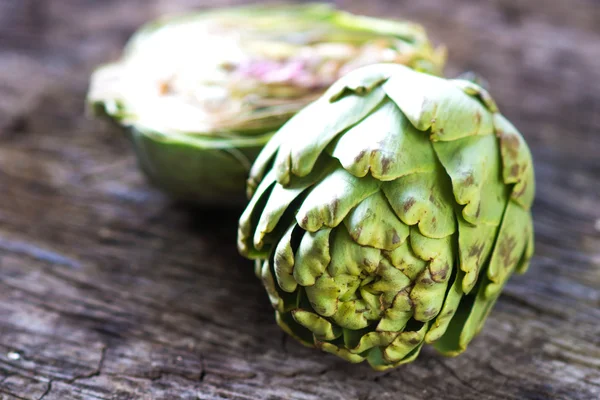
(107, 289)
(519, 46)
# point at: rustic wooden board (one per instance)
(109, 291)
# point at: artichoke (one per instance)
(200, 95)
(390, 213)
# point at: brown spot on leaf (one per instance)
(523, 168)
(478, 117)
(385, 164)
(395, 238)
(356, 232)
(507, 245)
(414, 341)
(426, 281)
(476, 250)
(520, 192)
(317, 252)
(434, 200)
(409, 203)
(305, 220)
(334, 207)
(469, 180)
(510, 143)
(514, 170)
(430, 313)
(383, 303)
(441, 275)
(359, 157)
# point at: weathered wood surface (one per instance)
(109, 291)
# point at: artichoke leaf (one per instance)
(280, 199)
(325, 294)
(287, 323)
(388, 282)
(473, 309)
(529, 250)
(270, 286)
(359, 82)
(516, 161)
(432, 103)
(310, 131)
(512, 242)
(354, 314)
(332, 198)
(313, 257)
(371, 340)
(378, 362)
(261, 165)
(276, 205)
(249, 218)
(509, 252)
(283, 260)
(430, 286)
(394, 318)
(350, 258)
(404, 344)
(472, 88)
(473, 164)
(423, 199)
(453, 297)
(395, 147)
(475, 244)
(373, 223)
(340, 352)
(405, 259)
(319, 326)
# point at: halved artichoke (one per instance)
(390, 213)
(201, 94)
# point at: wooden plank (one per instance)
(109, 291)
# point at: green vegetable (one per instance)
(200, 95)
(390, 213)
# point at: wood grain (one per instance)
(109, 291)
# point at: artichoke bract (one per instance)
(200, 95)
(389, 213)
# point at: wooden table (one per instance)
(109, 291)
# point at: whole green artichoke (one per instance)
(200, 95)
(390, 213)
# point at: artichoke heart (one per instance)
(199, 95)
(389, 213)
